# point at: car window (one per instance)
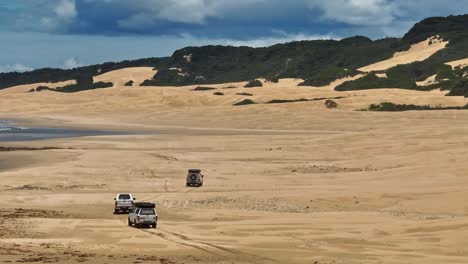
(147, 212)
(124, 197)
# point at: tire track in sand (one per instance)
(208, 247)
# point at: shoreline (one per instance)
(13, 131)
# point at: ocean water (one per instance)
(10, 132)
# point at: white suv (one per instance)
(143, 214)
(123, 203)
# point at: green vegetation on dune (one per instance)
(452, 29)
(82, 84)
(318, 62)
(245, 102)
(326, 76)
(405, 77)
(302, 59)
(283, 101)
(459, 88)
(372, 81)
(47, 75)
(253, 83)
(391, 107)
(203, 88)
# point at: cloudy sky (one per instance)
(70, 33)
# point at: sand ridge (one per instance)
(417, 52)
(459, 63)
(121, 77)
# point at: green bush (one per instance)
(331, 104)
(325, 77)
(203, 88)
(460, 88)
(253, 83)
(391, 107)
(245, 102)
(372, 81)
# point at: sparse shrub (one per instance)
(283, 101)
(253, 83)
(245, 94)
(391, 107)
(273, 79)
(331, 104)
(203, 88)
(218, 93)
(245, 102)
(129, 83)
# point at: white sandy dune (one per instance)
(458, 63)
(430, 80)
(122, 76)
(417, 52)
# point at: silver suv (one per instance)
(123, 203)
(143, 214)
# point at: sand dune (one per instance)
(430, 80)
(458, 63)
(286, 183)
(122, 76)
(27, 87)
(417, 52)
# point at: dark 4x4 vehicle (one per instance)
(194, 178)
(143, 214)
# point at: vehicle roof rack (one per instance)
(145, 205)
(194, 170)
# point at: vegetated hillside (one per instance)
(452, 29)
(321, 60)
(59, 75)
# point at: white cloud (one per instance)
(71, 63)
(358, 12)
(66, 9)
(15, 68)
(269, 41)
(64, 13)
(186, 11)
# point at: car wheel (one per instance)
(153, 226)
(129, 223)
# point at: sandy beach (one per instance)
(286, 183)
